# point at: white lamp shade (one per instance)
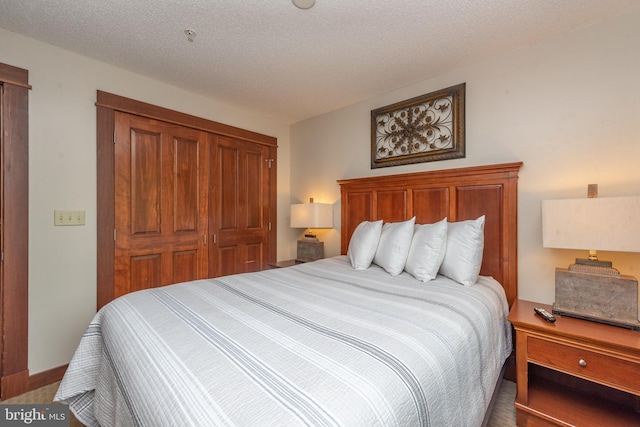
(601, 223)
(312, 215)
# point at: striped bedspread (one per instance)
(318, 344)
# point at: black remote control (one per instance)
(545, 314)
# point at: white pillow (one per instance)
(463, 258)
(394, 245)
(363, 244)
(427, 250)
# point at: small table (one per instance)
(590, 372)
(285, 263)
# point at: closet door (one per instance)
(161, 202)
(166, 182)
(239, 210)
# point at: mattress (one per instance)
(317, 344)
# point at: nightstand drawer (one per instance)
(608, 370)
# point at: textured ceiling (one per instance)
(292, 64)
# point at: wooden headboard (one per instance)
(458, 194)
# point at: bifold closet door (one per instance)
(161, 203)
(239, 208)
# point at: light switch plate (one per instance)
(68, 217)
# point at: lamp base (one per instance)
(602, 298)
(595, 262)
(310, 250)
(594, 267)
(634, 325)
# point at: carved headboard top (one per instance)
(457, 194)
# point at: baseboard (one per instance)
(44, 378)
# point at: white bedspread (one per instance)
(318, 344)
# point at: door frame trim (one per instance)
(107, 104)
(14, 304)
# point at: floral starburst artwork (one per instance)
(421, 129)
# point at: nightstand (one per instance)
(574, 372)
(284, 264)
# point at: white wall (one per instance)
(62, 175)
(569, 108)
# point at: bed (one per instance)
(320, 343)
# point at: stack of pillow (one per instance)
(453, 249)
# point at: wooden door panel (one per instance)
(186, 197)
(146, 182)
(227, 260)
(240, 238)
(254, 254)
(161, 184)
(145, 273)
(185, 266)
(229, 199)
(239, 209)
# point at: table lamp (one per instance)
(592, 288)
(311, 216)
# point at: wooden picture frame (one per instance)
(422, 129)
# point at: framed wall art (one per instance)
(422, 129)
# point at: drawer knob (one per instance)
(582, 363)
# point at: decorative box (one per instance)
(603, 298)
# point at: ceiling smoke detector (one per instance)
(304, 4)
